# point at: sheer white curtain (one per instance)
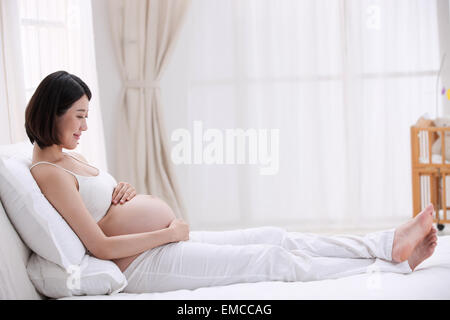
(58, 35)
(443, 17)
(12, 93)
(342, 80)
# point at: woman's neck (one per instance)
(52, 154)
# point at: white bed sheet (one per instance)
(430, 280)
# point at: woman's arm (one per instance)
(60, 190)
(120, 246)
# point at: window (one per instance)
(50, 34)
(342, 79)
(58, 35)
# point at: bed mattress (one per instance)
(430, 280)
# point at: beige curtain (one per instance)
(145, 32)
(12, 86)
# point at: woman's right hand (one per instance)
(180, 230)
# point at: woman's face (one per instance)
(71, 124)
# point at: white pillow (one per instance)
(39, 225)
(92, 277)
(23, 149)
(15, 283)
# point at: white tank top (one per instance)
(96, 191)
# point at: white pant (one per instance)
(215, 258)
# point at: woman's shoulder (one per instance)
(46, 172)
(46, 175)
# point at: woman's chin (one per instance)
(71, 146)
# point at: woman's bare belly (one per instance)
(143, 213)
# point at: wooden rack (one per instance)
(423, 135)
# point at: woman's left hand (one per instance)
(123, 192)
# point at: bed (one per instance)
(431, 280)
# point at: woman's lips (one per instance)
(77, 137)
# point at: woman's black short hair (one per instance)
(52, 98)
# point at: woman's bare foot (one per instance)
(409, 235)
(423, 250)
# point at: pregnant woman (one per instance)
(155, 250)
